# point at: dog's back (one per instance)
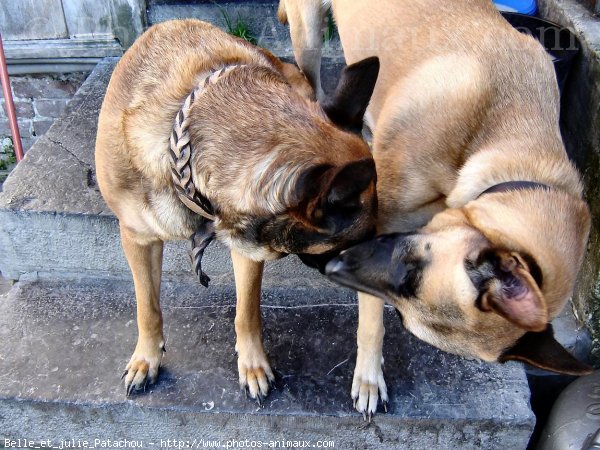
(455, 79)
(146, 90)
(407, 36)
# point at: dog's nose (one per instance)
(349, 259)
(318, 262)
(334, 266)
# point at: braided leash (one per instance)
(181, 173)
(181, 151)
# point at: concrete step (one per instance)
(258, 17)
(66, 343)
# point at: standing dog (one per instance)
(468, 152)
(248, 150)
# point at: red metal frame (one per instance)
(10, 106)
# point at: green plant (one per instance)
(8, 156)
(238, 28)
(330, 28)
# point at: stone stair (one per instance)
(66, 343)
(259, 17)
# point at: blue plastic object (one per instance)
(528, 7)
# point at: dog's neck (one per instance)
(500, 165)
(514, 186)
(181, 150)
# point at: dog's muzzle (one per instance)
(376, 267)
(318, 262)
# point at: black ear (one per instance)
(543, 351)
(348, 104)
(351, 180)
(310, 183)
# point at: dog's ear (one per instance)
(350, 181)
(325, 186)
(348, 104)
(311, 182)
(507, 287)
(543, 351)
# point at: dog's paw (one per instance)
(368, 385)
(256, 376)
(143, 365)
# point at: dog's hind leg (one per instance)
(254, 369)
(144, 256)
(368, 383)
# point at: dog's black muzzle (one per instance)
(376, 267)
(320, 261)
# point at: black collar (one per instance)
(514, 186)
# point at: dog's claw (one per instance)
(164, 348)
(124, 373)
(385, 406)
(364, 416)
(130, 389)
(260, 400)
(370, 417)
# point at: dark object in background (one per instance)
(559, 42)
(575, 418)
(545, 389)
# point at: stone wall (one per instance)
(580, 124)
(39, 99)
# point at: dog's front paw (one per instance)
(256, 376)
(143, 365)
(368, 384)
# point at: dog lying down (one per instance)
(203, 135)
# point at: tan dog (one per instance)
(278, 175)
(467, 146)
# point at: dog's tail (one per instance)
(281, 12)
